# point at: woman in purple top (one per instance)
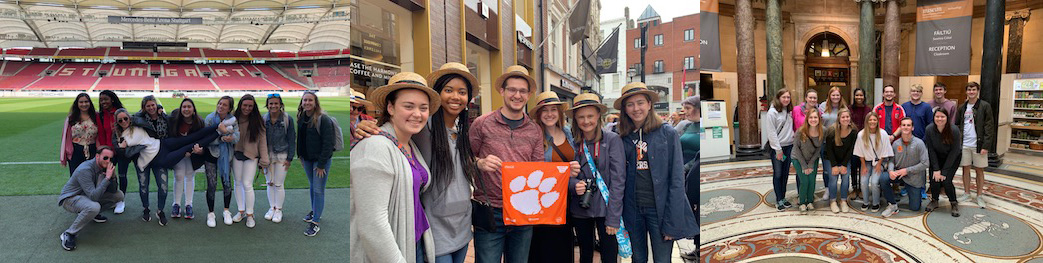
(388, 222)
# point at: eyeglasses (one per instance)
(359, 108)
(512, 91)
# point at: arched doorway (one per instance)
(827, 65)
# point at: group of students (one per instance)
(426, 178)
(231, 143)
(890, 144)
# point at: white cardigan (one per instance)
(137, 136)
(382, 227)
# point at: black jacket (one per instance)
(312, 144)
(983, 124)
(944, 157)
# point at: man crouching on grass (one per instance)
(85, 194)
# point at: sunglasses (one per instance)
(359, 108)
(105, 158)
(123, 119)
(274, 95)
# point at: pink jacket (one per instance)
(798, 115)
(65, 148)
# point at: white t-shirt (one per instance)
(970, 137)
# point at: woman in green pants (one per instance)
(806, 149)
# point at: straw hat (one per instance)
(359, 97)
(516, 71)
(544, 99)
(405, 80)
(635, 88)
(585, 100)
(454, 68)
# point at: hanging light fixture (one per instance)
(825, 43)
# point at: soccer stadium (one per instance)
(53, 50)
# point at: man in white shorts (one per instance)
(974, 118)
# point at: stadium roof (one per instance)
(295, 25)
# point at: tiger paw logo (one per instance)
(533, 193)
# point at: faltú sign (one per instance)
(155, 20)
(943, 37)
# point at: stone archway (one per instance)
(807, 28)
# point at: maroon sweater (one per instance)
(490, 134)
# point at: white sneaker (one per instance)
(891, 210)
(981, 202)
(843, 206)
(238, 217)
(250, 221)
(120, 207)
(964, 197)
(277, 217)
(210, 221)
(271, 212)
(833, 206)
(803, 210)
(228, 217)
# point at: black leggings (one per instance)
(78, 156)
(211, 184)
(122, 164)
(936, 186)
(172, 150)
(585, 234)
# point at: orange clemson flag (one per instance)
(535, 193)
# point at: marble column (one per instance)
(800, 80)
(1016, 20)
(746, 62)
(853, 78)
(773, 24)
(866, 49)
(889, 51)
(992, 48)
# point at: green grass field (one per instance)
(30, 131)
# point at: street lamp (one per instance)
(632, 72)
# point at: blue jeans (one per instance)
(827, 173)
(318, 187)
(509, 243)
(780, 175)
(420, 252)
(889, 195)
(871, 185)
(453, 257)
(647, 230)
(161, 185)
(845, 183)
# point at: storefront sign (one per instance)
(569, 86)
(943, 37)
(523, 40)
(370, 75)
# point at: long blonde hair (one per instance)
(836, 126)
(875, 130)
(316, 113)
(829, 101)
(804, 131)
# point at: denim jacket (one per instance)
(547, 153)
(281, 136)
(676, 218)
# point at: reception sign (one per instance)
(943, 37)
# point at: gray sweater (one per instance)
(88, 179)
(449, 211)
(913, 157)
(382, 226)
(779, 129)
(807, 152)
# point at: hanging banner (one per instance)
(536, 193)
(943, 37)
(709, 36)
